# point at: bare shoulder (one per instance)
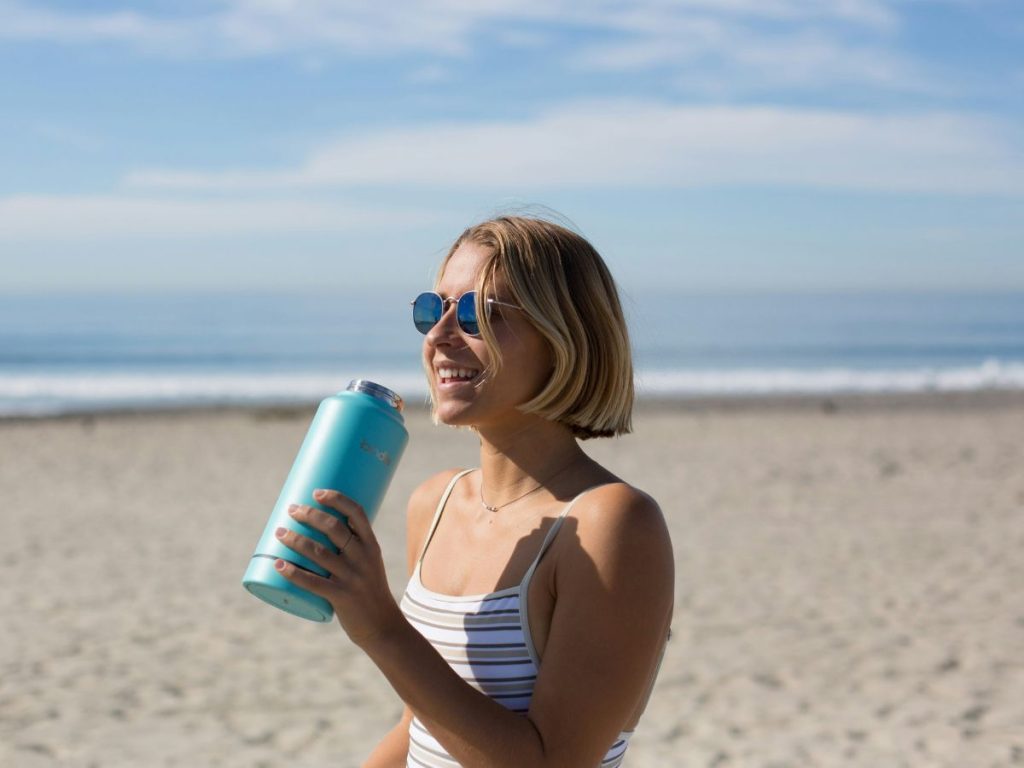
(619, 528)
(420, 510)
(612, 510)
(425, 496)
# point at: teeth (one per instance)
(456, 373)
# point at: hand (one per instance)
(356, 585)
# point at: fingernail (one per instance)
(280, 532)
(279, 564)
(319, 492)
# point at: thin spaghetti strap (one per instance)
(524, 585)
(553, 531)
(440, 509)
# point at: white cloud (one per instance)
(616, 145)
(21, 22)
(261, 27)
(638, 33)
(68, 217)
(717, 57)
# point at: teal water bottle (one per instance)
(353, 446)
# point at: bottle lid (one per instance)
(376, 390)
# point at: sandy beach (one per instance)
(850, 588)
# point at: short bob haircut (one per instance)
(565, 289)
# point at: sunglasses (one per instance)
(428, 308)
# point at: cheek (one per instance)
(531, 367)
(545, 367)
(426, 355)
(427, 361)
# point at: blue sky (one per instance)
(703, 145)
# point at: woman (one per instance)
(540, 589)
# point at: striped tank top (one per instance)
(486, 639)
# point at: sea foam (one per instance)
(991, 374)
(53, 393)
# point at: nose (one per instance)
(446, 328)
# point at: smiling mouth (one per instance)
(456, 375)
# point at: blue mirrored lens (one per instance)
(465, 313)
(426, 311)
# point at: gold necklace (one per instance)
(540, 485)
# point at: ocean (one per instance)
(84, 353)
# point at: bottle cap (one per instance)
(376, 390)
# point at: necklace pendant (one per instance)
(488, 507)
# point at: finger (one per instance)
(351, 536)
(312, 550)
(307, 580)
(333, 527)
(357, 519)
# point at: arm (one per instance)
(614, 600)
(393, 748)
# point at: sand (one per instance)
(850, 588)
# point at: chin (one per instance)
(452, 414)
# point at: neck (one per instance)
(514, 460)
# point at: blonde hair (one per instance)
(564, 288)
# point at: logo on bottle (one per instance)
(382, 456)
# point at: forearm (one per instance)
(392, 750)
(475, 729)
